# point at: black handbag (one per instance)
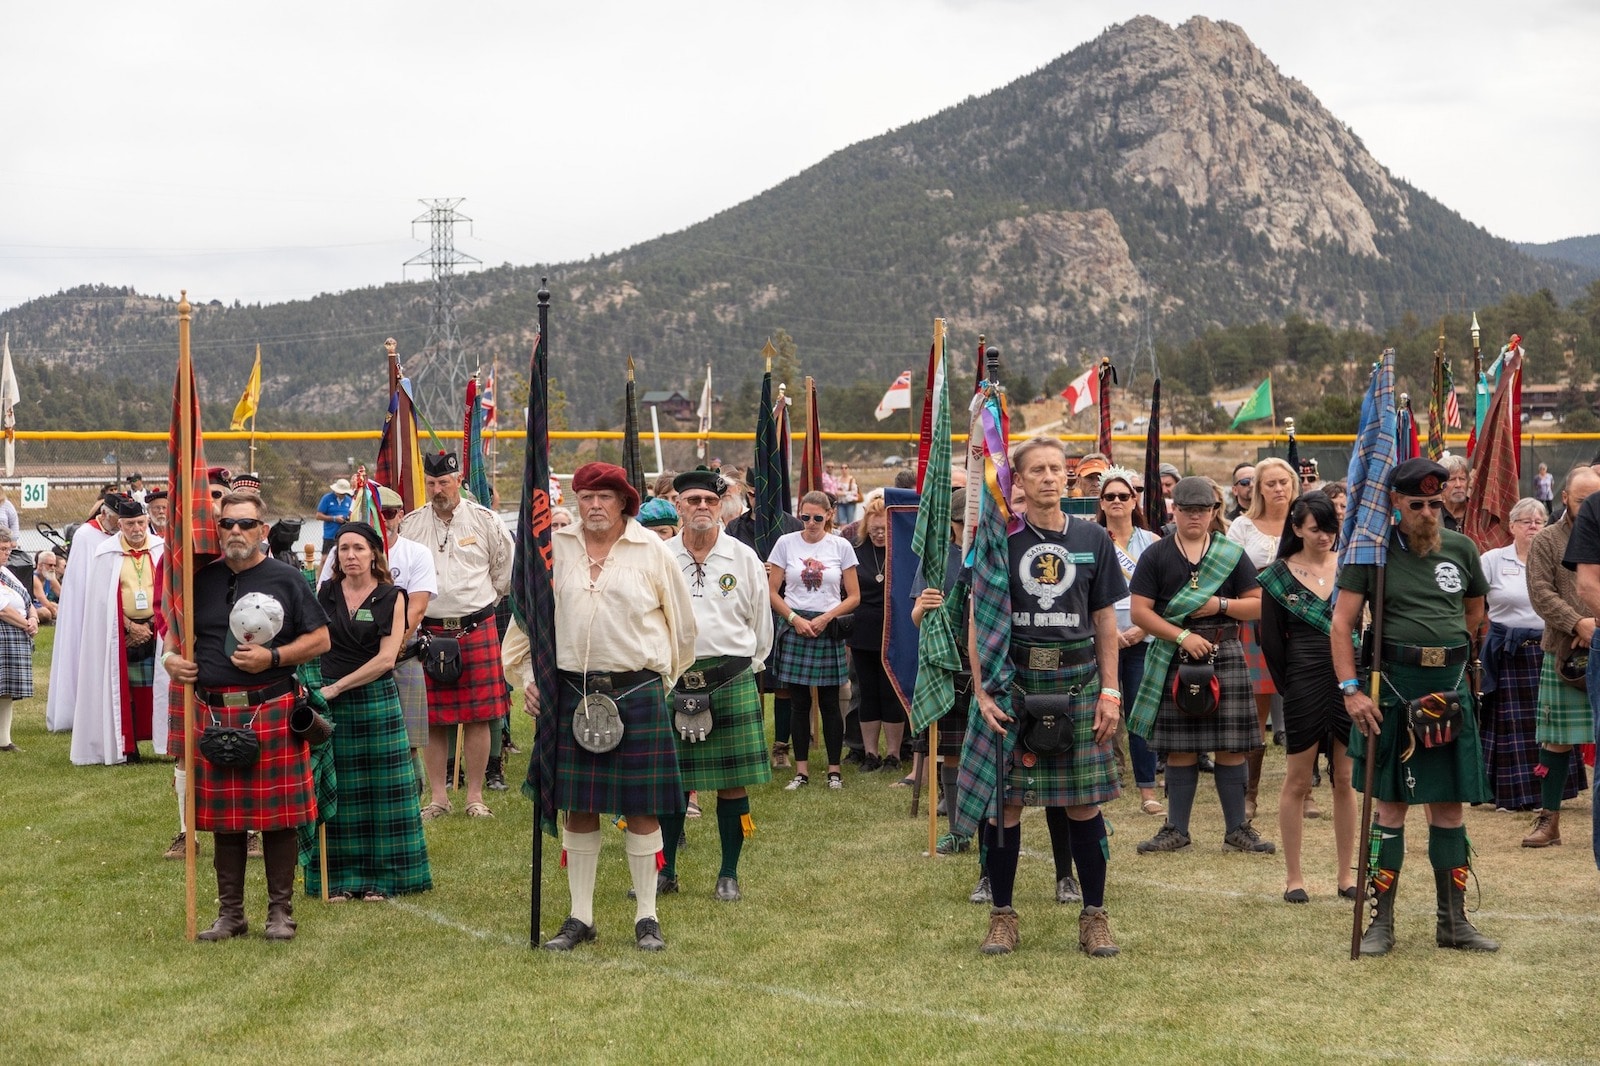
(1195, 688)
(441, 659)
(840, 627)
(1574, 669)
(1044, 720)
(230, 747)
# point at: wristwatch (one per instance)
(1350, 688)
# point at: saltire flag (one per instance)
(1107, 378)
(250, 400)
(474, 466)
(1155, 496)
(399, 464)
(898, 398)
(632, 464)
(766, 473)
(811, 457)
(1365, 538)
(191, 535)
(1082, 392)
(1259, 404)
(10, 396)
(1406, 426)
(533, 599)
(785, 442)
(1494, 484)
(938, 650)
(704, 414)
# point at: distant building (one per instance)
(673, 404)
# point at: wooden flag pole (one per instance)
(322, 856)
(459, 778)
(930, 767)
(184, 492)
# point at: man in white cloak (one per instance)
(63, 694)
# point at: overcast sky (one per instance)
(265, 152)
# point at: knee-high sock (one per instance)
(583, 861)
(1089, 851)
(948, 775)
(731, 816)
(1182, 781)
(1002, 861)
(1447, 848)
(1554, 765)
(178, 784)
(5, 721)
(671, 829)
(642, 849)
(1231, 781)
(1060, 840)
(1391, 849)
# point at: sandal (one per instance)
(479, 810)
(341, 897)
(372, 895)
(435, 810)
(1152, 806)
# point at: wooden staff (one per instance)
(1363, 844)
(184, 491)
(460, 776)
(322, 856)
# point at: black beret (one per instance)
(1419, 477)
(154, 495)
(700, 478)
(438, 464)
(126, 506)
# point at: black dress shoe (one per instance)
(573, 933)
(647, 935)
(727, 890)
(494, 778)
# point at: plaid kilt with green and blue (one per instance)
(412, 684)
(375, 840)
(1510, 752)
(1451, 773)
(1565, 716)
(142, 671)
(639, 776)
(735, 753)
(16, 663)
(807, 661)
(275, 793)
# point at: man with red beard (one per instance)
(1423, 732)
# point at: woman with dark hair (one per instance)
(817, 572)
(881, 711)
(1298, 591)
(375, 846)
(1123, 519)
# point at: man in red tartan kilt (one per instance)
(472, 551)
(255, 621)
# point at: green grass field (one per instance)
(848, 946)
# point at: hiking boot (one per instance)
(1003, 937)
(1452, 929)
(494, 775)
(1245, 838)
(647, 935)
(856, 756)
(573, 933)
(871, 764)
(1169, 838)
(1546, 831)
(1094, 933)
(780, 756)
(952, 844)
(175, 849)
(800, 781)
(252, 845)
(891, 763)
(1067, 890)
(727, 890)
(1379, 937)
(983, 893)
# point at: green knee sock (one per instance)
(1447, 848)
(1554, 765)
(731, 817)
(1390, 851)
(671, 830)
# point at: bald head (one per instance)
(1581, 482)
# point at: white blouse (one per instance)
(1261, 548)
(1508, 589)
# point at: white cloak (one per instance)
(97, 710)
(63, 692)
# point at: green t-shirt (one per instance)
(1423, 596)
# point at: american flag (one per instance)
(1452, 406)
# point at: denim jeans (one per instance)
(1130, 673)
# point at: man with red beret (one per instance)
(625, 632)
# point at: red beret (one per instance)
(602, 477)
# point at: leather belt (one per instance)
(616, 681)
(1216, 634)
(1416, 655)
(1043, 658)
(714, 678)
(248, 697)
(462, 622)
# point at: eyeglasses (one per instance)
(1116, 497)
(813, 518)
(1432, 505)
(391, 512)
(1308, 477)
(1243, 481)
(700, 501)
(246, 524)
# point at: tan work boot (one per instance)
(1003, 937)
(1546, 831)
(780, 756)
(1094, 933)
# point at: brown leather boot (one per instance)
(228, 859)
(1003, 935)
(1546, 831)
(282, 854)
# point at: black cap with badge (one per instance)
(700, 478)
(438, 464)
(1419, 477)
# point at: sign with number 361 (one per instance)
(35, 492)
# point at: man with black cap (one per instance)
(156, 503)
(136, 487)
(722, 744)
(471, 550)
(118, 646)
(625, 633)
(1423, 733)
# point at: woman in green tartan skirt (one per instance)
(375, 842)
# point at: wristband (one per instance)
(274, 658)
(791, 618)
(1182, 636)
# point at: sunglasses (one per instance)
(1243, 481)
(392, 512)
(1308, 477)
(700, 501)
(1116, 497)
(813, 518)
(1431, 505)
(246, 524)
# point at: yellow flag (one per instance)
(246, 408)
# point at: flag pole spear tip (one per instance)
(630, 368)
(544, 291)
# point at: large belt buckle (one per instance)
(1431, 656)
(235, 699)
(1044, 659)
(450, 623)
(694, 680)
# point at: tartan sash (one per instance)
(1219, 561)
(1310, 608)
(938, 659)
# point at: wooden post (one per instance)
(930, 766)
(183, 494)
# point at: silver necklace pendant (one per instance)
(880, 579)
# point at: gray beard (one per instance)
(1424, 542)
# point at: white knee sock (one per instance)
(642, 851)
(583, 861)
(178, 779)
(5, 721)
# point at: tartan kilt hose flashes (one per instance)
(1233, 728)
(479, 694)
(639, 776)
(808, 661)
(735, 754)
(275, 793)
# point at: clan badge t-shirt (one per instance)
(1422, 597)
(1058, 580)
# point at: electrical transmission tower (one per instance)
(440, 376)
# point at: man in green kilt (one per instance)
(1423, 731)
(1564, 715)
(726, 751)
(255, 621)
(625, 633)
(1053, 606)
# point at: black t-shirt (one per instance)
(1058, 581)
(1584, 544)
(217, 589)
(354, 638)
(1162, 571)
(871, 576)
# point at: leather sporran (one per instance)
(230, 747)
(441, 659)
(1435, 720)
(1574, 669)
(840, 628)
(1044, 721)
(597, 723)
(691, 715)
(1196, 691)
